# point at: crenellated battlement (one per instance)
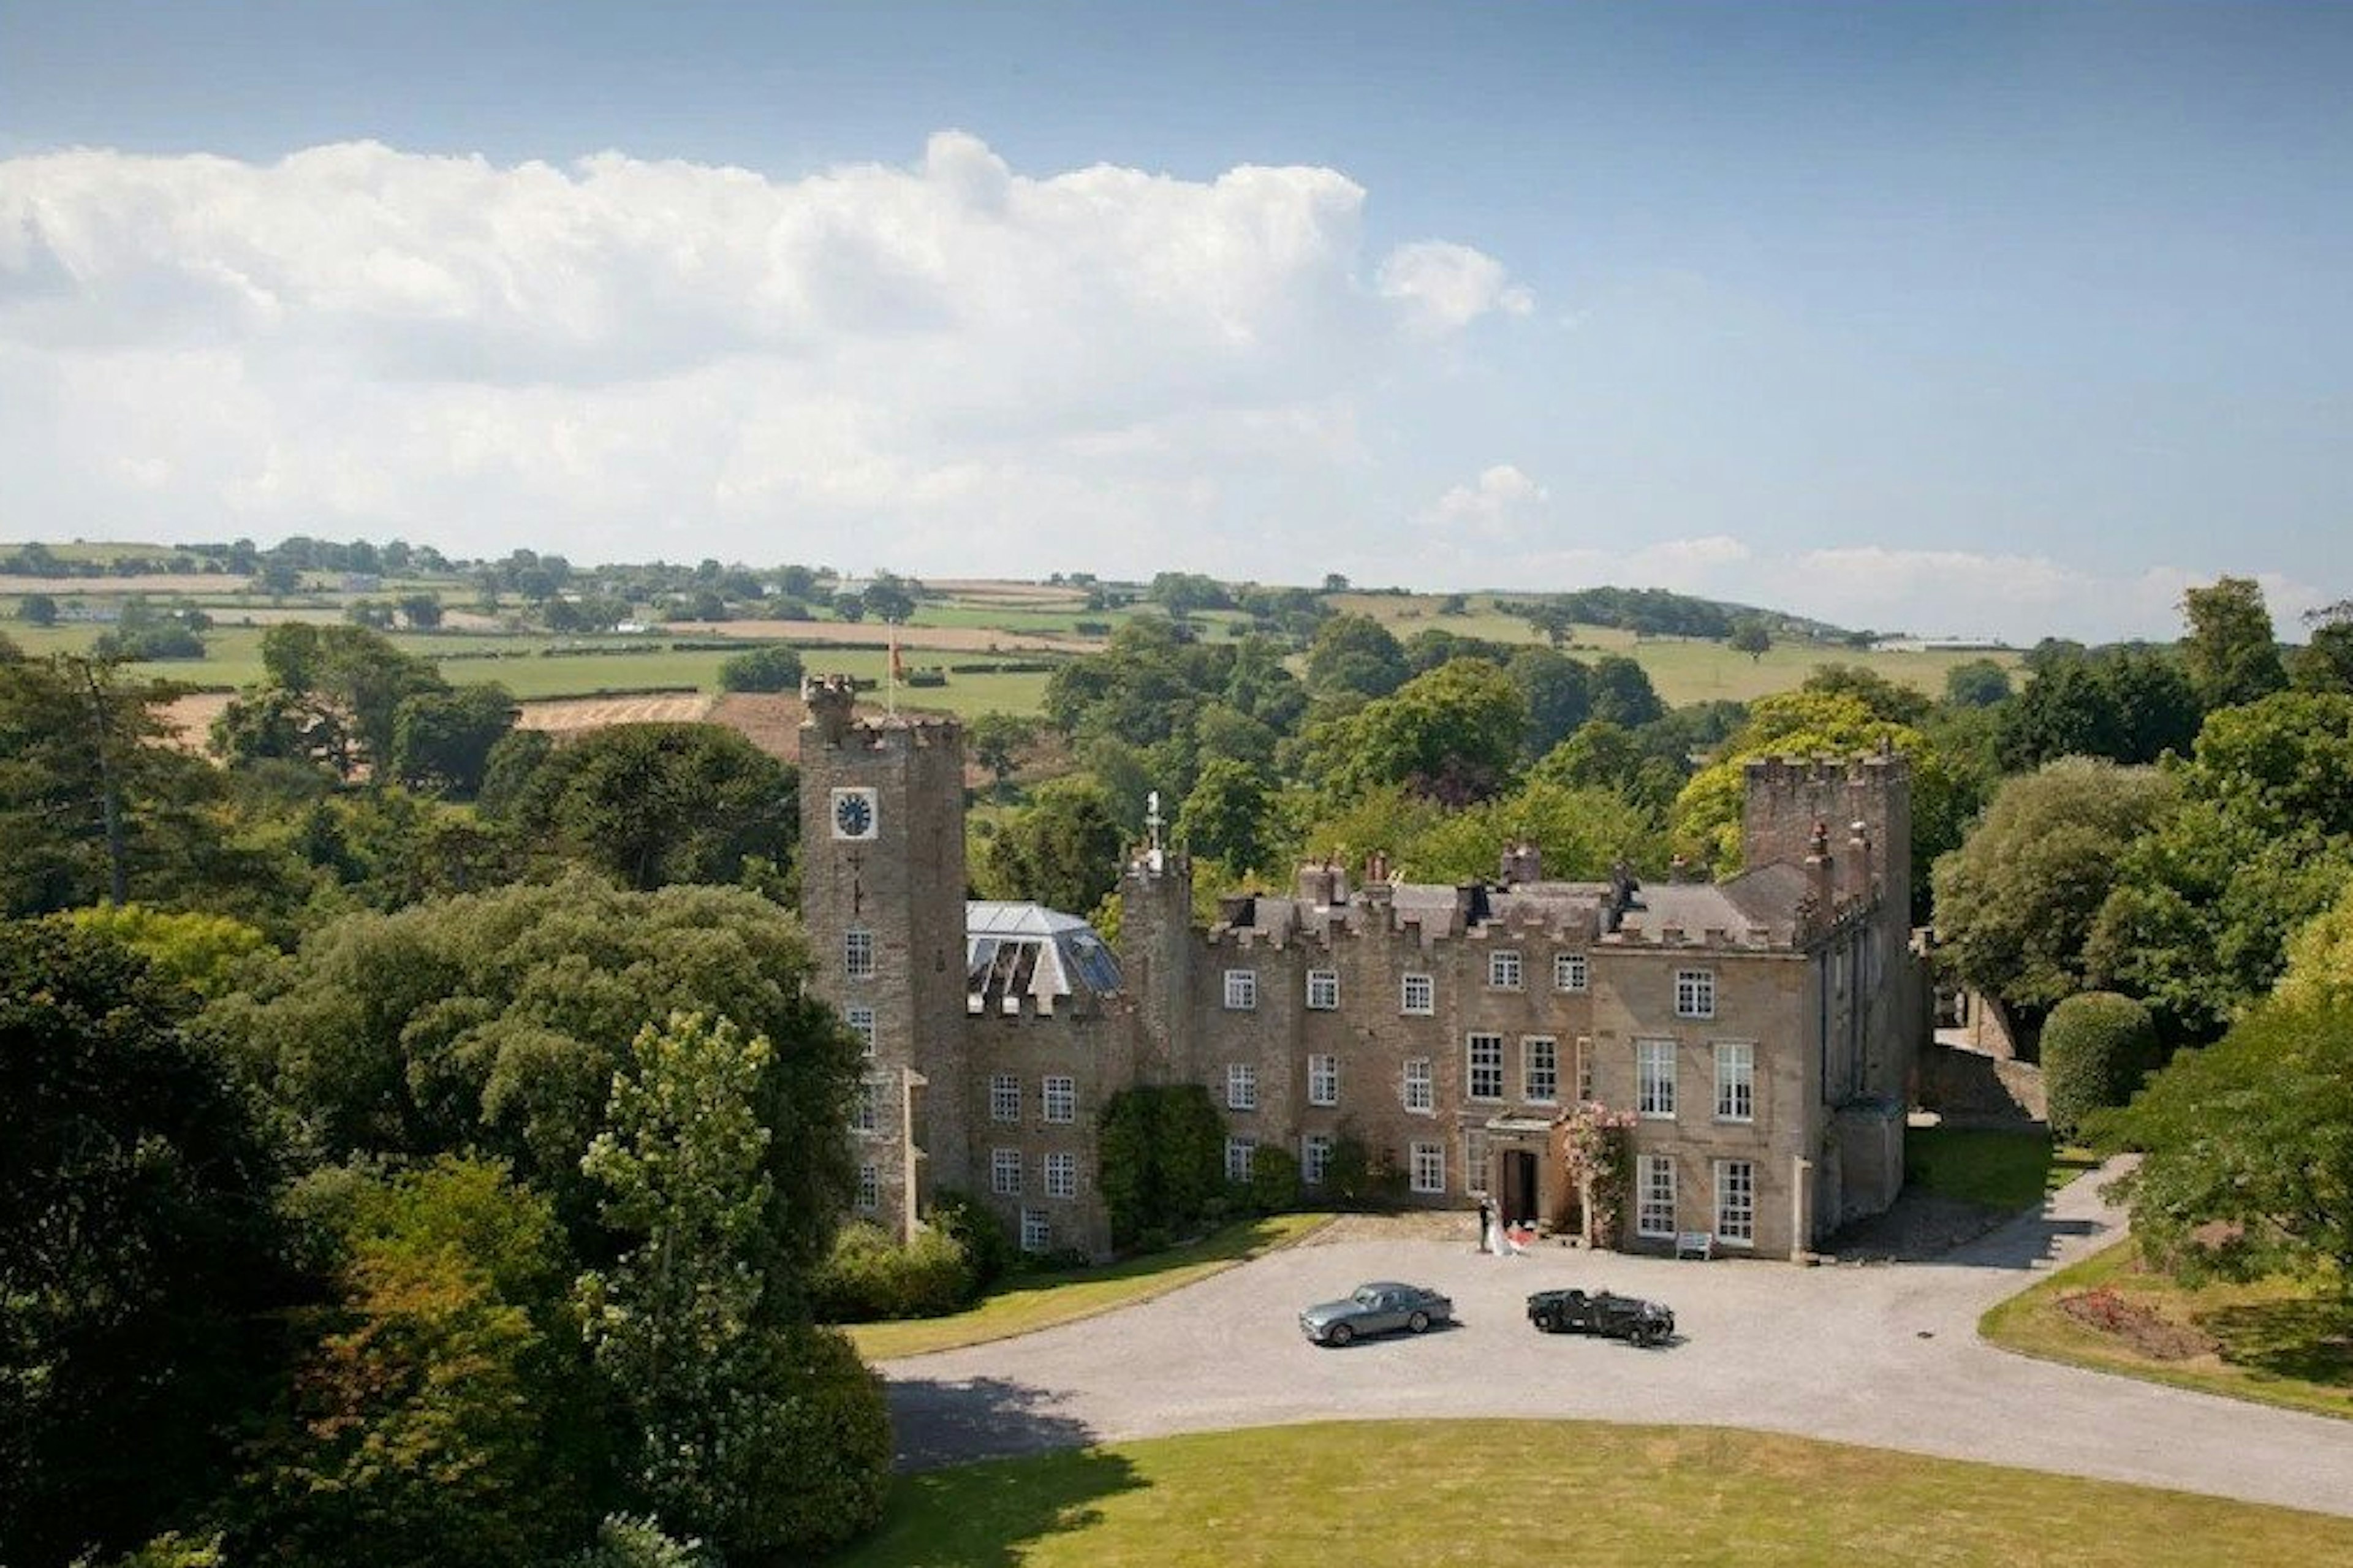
(833, 717)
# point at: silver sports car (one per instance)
(1380, 1308)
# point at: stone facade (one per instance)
(1765, 1027)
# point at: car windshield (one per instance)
(1366, 1296)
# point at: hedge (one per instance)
(2097, 1048)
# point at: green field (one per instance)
(234, 660)
(1683, 670)
(1424, 1493)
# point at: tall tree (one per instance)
(657, 804)
(2247, 1167)
(2017, 902)
(440, 1407)
(94, 804)
(2231, 653)
(494, 1022)
(140, 1250)
(1063, 851)
(751, 1428)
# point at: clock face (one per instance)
(853, 813)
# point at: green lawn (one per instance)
(1034, 1301)
(2276, 1342)
(1552, 1493)
(1982, 1165)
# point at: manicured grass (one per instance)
(1041, 1301)
(1509, 1492)
(1983, 1165)
(2276, 1341)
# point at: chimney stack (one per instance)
(1818, 868)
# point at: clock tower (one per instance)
(882, 896)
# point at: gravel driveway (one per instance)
(1885, 1355)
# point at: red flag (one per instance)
(898, 669)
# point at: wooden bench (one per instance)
(1699, 1244)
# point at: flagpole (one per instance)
(891, 677)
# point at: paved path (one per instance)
(1885, 1355)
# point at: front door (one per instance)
(1519, 1196)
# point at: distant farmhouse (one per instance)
(1762, 1028)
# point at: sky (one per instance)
(1976, 319)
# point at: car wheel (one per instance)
(1417, 1323)
(1547, 1323)
(1338, 1335)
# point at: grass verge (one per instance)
(2000, 1169)
(2276, 1341)
(1506, 1492)
(1041, 1301)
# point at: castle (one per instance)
(1762, 1028)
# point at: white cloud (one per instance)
(618, 356)
(1498, 505)
(1450, 285)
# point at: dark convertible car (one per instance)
(1380, 1308)
(1626, 1318)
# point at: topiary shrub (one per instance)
(867, 1276)
(2097, 1048)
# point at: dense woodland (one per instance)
(419, 1133)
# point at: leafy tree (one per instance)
(1184, 592)
(2247, 1169)
(436, 1412)
(94, 804)
(330, 694)
(2319, 970)
(1557, 691)
(1885, 700)
(2097, 1048)
(422, 611)
(2017, 902)
(657, 804)
(1389, 820)
(2128, 705)
(1581, 833)
(1452, 735)
(38, 610)
(1551, 619)
(134, 1195)
(204, 953)
(1622, 692)
(1607, 756)
(1356, 654)
(891, 598)
(1063, 851)
(2197, 920)
(751, 1428)
(2231, 654)
(1976, 683)
(1229, 815)
(773, 669)
(2325, 661)
(1752, 636)
(996, 741)
(494, 1022)
(2196, 923)
(441, 741)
